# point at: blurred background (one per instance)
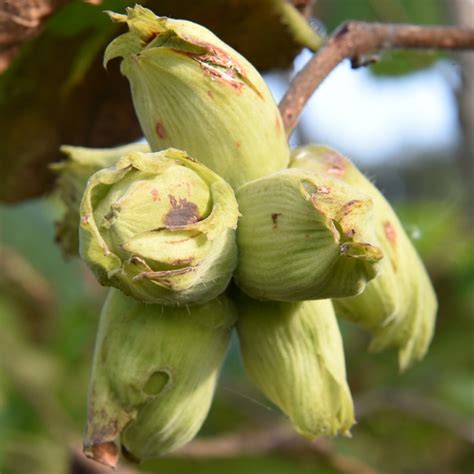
(407, 121)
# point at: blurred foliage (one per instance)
(393, 63)
(56, 91)
(425, 12)
(247, 465)
(400, 62)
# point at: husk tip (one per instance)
(116, 17)
(105, 453)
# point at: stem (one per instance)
(354, 39)
(277, 440)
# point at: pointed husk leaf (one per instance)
(80, 164)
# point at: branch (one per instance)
(20, 21)
(29, 291)
(281, 441)
(354, 39)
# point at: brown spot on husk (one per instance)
(137, 260)
(323, 190)
(181, 213)
(111, 214)
(182, 261)
(154, 194)
(160, 130)
(390, 233)
(237, 145)
(222, 67)
(151, 36)
(278, 124)
(275, 217)
(105, 453)
(164, 276)
(348, 206)
(336, 164)
(230, 78)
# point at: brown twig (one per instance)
(30, 292)
(355, 39)
(281, 441)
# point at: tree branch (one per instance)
(279, 440)
(354, 39)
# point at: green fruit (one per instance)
(293, 353)
(160, 227)
(154, 374)
(399, 306)
(302, 236)
(192, 91)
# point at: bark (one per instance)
(353, 40)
